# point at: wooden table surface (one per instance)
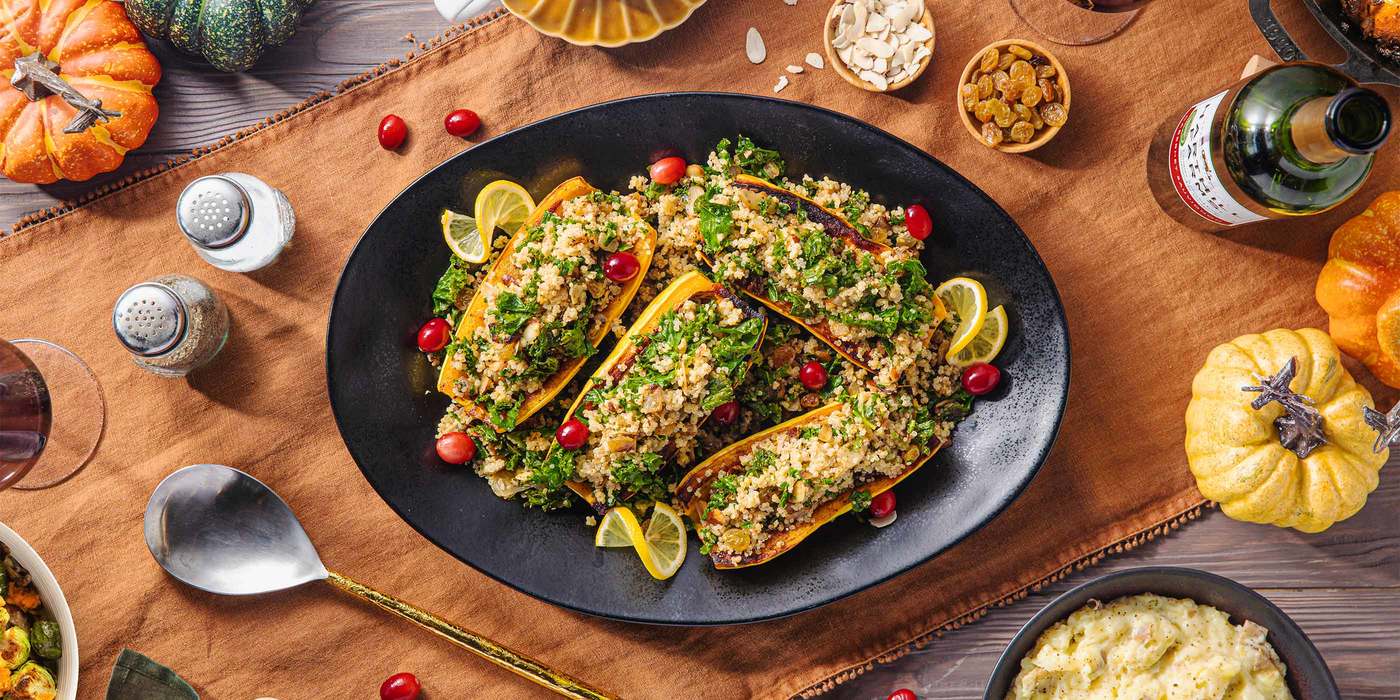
(1341, 586)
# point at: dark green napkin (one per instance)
(136, 677)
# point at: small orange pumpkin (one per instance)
(101, 55)
(1360, 288)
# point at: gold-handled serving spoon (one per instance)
(222, 531)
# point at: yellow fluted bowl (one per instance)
(603, 22)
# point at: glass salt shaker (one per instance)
(235, 221)
(172, 324)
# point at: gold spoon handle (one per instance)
(519, 664)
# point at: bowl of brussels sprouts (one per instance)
(38, 643)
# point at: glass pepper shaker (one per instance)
(235, 221)
(171, 325)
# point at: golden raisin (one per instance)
(999, 80)
(1024, 113)
(1054, 114)
(1020, 70)
(991, 134)
(969, 96)
(1045, 71)
(735, 540)
(989, 60)
(1006, 61)
(984, 87)
(982, 112)
(1020, 51)
(1003, 115)
(1047, 89)
(1021, 132)
(1030, 97)
(810, 401)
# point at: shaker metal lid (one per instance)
(149, 319)
(214, 211)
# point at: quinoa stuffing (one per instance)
(860, 305)
(545, 311)
(643, 417)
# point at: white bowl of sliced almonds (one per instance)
(879, 45)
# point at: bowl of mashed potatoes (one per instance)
(1161, 632)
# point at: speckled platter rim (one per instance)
(967, 486)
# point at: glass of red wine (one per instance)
(1078, 22)
(52, 414)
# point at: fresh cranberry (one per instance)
(726, 413)
(620, 267)
(462, 122)
(980, 378)
(902, 693)
(456, 448)
(433, 336)
(572, 434)
(392, 131)
(882, 505)
(813, 375)
(400, 686)
(917, 220)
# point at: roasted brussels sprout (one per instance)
(14, 647)
(32, 682)
(44, 640)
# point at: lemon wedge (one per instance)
(987, 344)
(460, 233)
(502, 204)
(967, 299)
(661, 546)
(616, 528)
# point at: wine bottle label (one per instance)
(1193, 170)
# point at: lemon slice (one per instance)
(616, 528)
(966, 298)
(463, 237)
(502, 204)
(661, 547)
(666, 542)
(986, 345)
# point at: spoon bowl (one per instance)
(222, 531)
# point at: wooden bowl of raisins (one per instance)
(1014, 96)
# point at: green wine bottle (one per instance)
(1291, 140)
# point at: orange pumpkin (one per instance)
(1360, 288)
(100, 54)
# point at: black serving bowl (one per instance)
(1308, 676)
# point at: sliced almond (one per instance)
(782, 83)
(815, 60)
(918, 33)
(754, 48)
(876, 22)
(794, 69)
(881, 66)
(875, 79)
(875, 47)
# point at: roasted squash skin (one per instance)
(475, 314)
(693, 493)
(691, 285)
(836, 226)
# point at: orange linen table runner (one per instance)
(1146, 299)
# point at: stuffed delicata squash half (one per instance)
(642, 409)
(869, 302)
(761, 496)
(546, 303)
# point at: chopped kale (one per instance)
(449, 287)
(860, 500)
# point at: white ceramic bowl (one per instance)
(53, 598)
